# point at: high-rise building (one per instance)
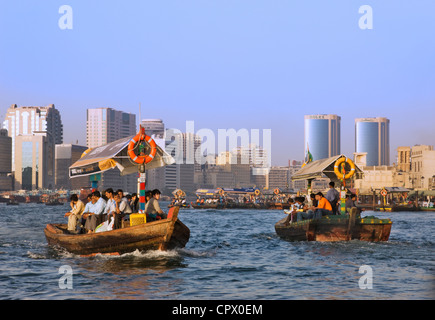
(372, 135)
(103, 126)
(155, 128)
(322, 135)
(254, 155)
(279, 177)
(31, 120)
(5, 152)
(182, 147)
(34, 161)
(65, 156)
(5, 161)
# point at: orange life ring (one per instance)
(142, 159)
(276, 191)
(339, 174)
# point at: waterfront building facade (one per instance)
(372, 135)
(322, 135)
(404, 159)
(414, 170)
(31, 120)
(422, 166)
(280, 177)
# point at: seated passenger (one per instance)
(120, 211)
(291, 212)
(77, 208)
(302, 213)
(96, 216)
(323, 207)
(152, 208)
(134, 202)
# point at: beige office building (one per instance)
(422, 166)
(34, 162)
(33, 120)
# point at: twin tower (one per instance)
(372, 136)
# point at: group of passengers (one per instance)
(112, 206)
(318, 205)
(200, 201)
(178, 202)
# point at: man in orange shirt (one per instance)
(323, 208)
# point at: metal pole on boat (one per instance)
(142, 178)
(142, 181)
(343, 191)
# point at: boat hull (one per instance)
(335, 228)
(165, 234)
(208, 206)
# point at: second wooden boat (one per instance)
(336, 228)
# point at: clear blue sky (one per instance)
(259, 64)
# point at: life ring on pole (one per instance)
(339, 174)
(146, 158)
(276, 191)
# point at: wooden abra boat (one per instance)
(336, 228)
(278, 206)
(162, 234)
(208, 206)
(179, 205)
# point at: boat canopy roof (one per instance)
(114, 155)
(207, 192)
(179, 193)
(321, 168)
(239, 190)
(396, 189)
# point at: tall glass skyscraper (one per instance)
(322, 135)
(372, 135)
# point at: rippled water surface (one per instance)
(231, 254)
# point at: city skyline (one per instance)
(252, 65)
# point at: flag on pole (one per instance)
(308, 157)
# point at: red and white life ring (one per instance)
(146, 158)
